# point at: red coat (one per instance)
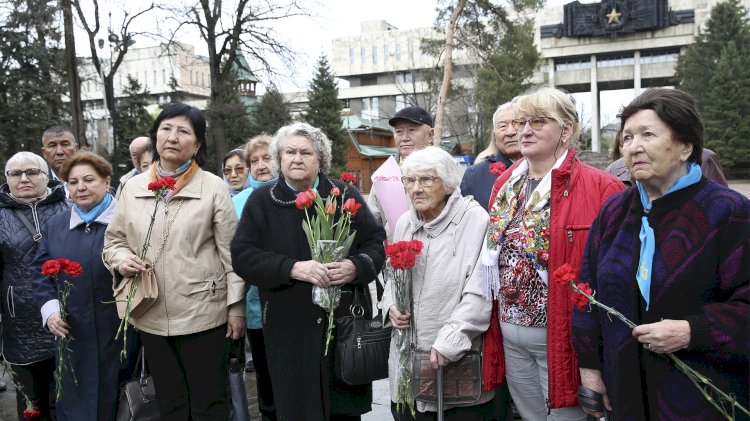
(578, 192)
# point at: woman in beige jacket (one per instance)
(449, 314)
(201, 301)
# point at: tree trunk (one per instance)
(447, 73)
(74, 84)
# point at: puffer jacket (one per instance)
(578, 192)
(24, 340)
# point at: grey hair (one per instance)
(503, 107)
(319, 140)
(433, 158)
(27, 156)
(58, 131)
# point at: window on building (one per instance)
(398, 51)
(363, 55)
(191, 77)
(370, 108)
(374, 55)
(410, 47)
(351, 56)
(163, 76)
(408, 78)
(145, 79)
(346, 104)
(368, 81)
(400, 102)
(385, 54)
(399, 78)
(203, 79)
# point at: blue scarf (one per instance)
(643, 275)
(314, 187)
(257, 184)
(91, 215)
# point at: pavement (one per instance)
(381, 409)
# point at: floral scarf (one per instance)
(535, 225)
(183, 175)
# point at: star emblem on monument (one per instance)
(613, 17)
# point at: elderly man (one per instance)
(58, 144)
(413, 130)
(478, 179)
(138, 146)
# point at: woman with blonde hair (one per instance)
(540, 214)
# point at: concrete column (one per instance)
(595, 143)
(551, 71)
(636, 73)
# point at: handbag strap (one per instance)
(142, 358)
(36, 235)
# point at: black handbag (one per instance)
(138, 396)
(362, 345)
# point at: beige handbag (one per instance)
(148, 290)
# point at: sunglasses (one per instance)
(237, 170)
(31, 173)
(536, 123)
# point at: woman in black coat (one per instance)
(28, 197)
(270, 250)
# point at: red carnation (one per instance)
(564, 274)
(155, 185)
(583, 300)
(348, 177)
(51, 267)
(415, 246)
(303, 201)
(409, 260)
(497, 168)
(168, 182)
(33, 413)
(73, 269)
(391, 250)
(335, 192)
(352, 207)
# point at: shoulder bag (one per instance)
(148, 290)
(138, 396)
(362, 345)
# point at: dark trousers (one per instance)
(190, 374)
(481, 412)
(37, 381)
(266, 404)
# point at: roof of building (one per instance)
(356, 123)
(243, 69)
(370, 150)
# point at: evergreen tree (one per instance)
(716, 71)
(324, 112)
(175, 93)
(32, 86)
(270, 114)
(234, 115)
(131, 120)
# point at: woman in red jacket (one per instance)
(542, 208)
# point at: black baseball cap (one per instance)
(414, 114)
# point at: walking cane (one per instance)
(439, 381)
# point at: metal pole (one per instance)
(440, 393)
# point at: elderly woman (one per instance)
(78, 235)
(448, 314)
(258, 159)
(672, 255)
(541, 212)
(271, 251)
(235, 171)
(27, 201)
(201, 301)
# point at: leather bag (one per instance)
(138, 397)
(145, 294)
(362, 345)
(462, 379)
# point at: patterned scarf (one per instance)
(182, 175)
(535, 225)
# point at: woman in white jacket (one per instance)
(448, 311)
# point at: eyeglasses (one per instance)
(536, 123)
(425, 181)
(237, 170)
(31, 173)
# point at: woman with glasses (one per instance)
(235, 171)
(448, 314)
(540, 215)
(27, 202)
(91, 390)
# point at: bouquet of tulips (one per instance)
(329, 239)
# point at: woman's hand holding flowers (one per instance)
(312, 272)
(342, 272)
(399, 321)
(130, 266)
(57, 326)
(664, 336)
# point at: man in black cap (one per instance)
(412, 129)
